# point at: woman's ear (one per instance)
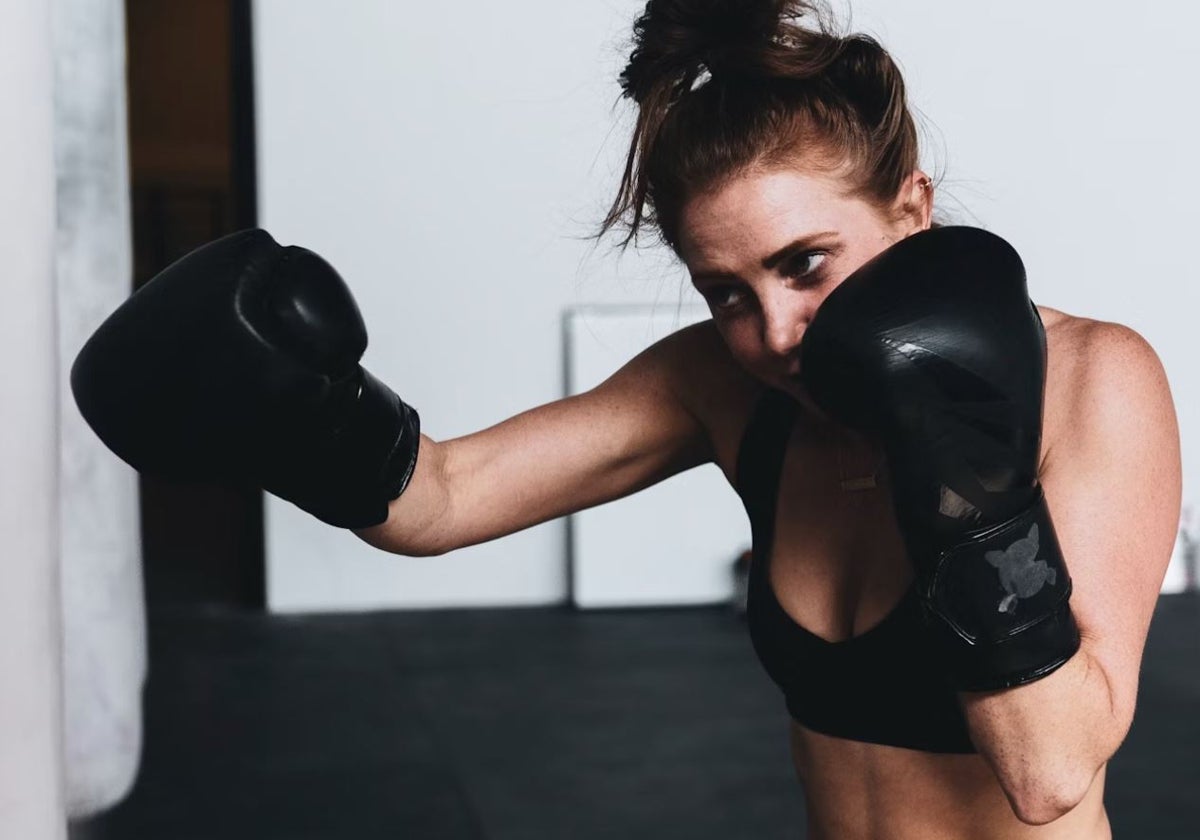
(914, 202)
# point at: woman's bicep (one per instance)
(1113, 482)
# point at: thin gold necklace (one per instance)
(856, 484)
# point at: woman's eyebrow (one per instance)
(771, 261)
(800, 244)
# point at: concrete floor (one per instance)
(545, 723)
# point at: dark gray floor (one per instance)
(507, 724)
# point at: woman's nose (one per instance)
(784, 321)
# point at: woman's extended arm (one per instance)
(640, 426)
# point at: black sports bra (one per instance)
(879, 687)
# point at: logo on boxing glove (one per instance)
(1021, 574)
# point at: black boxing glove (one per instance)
(240, 361)
(935, 346)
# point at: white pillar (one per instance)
(31, 787)
(104, 647)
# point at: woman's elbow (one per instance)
(405, 541)
(1042, 801)
(1040, 808)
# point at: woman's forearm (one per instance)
(417, 523)
(1046, 740)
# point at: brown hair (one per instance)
(725, 85)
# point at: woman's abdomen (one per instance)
(858, 791)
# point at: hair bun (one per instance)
(680, 38)
(786, 82)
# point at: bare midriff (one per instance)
(857, 791)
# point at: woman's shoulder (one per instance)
(1088, 351)
(712, 385)
(1094, 367)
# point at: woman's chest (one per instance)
(835, 558)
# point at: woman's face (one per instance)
(766, 248)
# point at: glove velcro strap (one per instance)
(1000, 602)
(348, 464)
(378, 449)
(385, 416)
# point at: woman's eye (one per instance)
(804, 265)
(723, 297)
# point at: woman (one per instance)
(777, 159)
(756, 134)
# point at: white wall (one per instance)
(674, 543)
(1070, 128)
(449, 161)
(104, 638)
(31, 771)
(446, 161)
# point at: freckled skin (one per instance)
(772, 207)
(837, 562)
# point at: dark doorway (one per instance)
(192, 179)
